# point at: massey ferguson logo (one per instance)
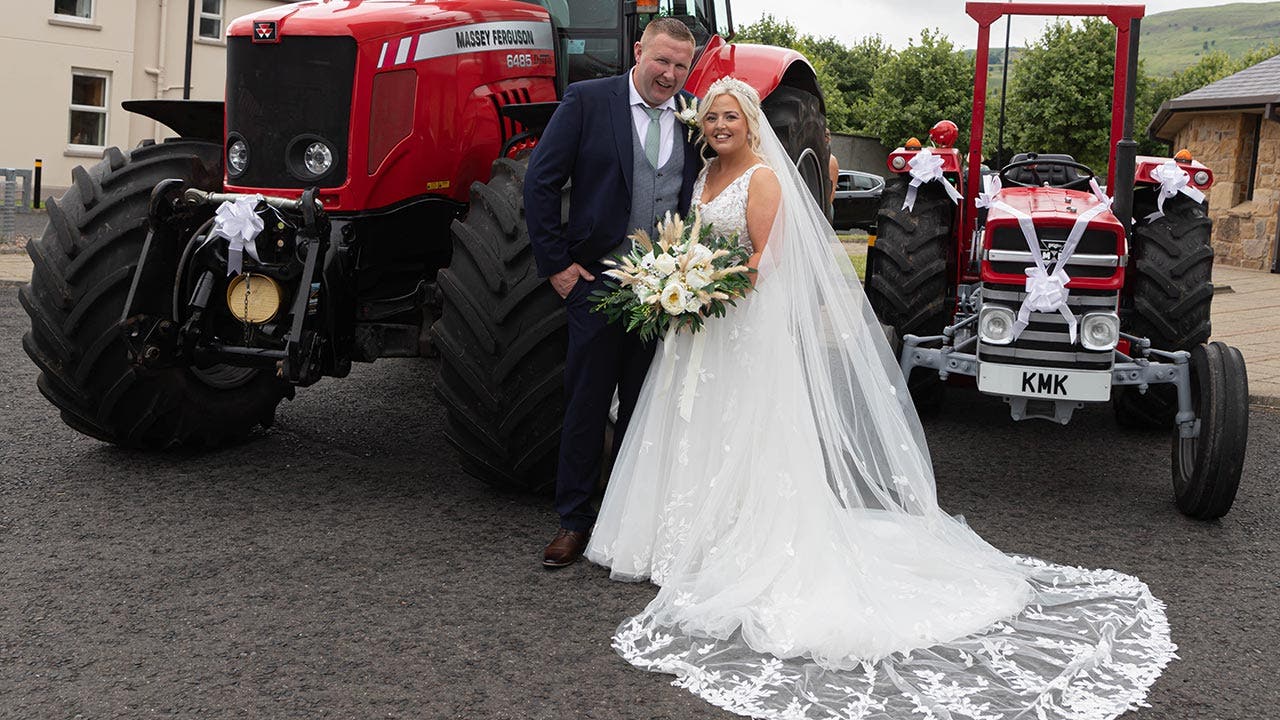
(265, 31)
(1050, 250)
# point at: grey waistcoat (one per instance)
(653, 192)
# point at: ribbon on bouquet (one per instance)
(1047, 289)
(689, 388)
(927, 167)
(239, 223)
(1173, 180)
(689, 384)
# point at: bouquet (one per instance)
(687, 274)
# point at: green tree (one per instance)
(769, 30)
(844, 73)
(1060, 91)
(1214, 66)
(927, 81)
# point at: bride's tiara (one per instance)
(728, 83)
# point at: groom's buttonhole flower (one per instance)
(688, 273)
(688, 114)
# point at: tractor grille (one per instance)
(1095, 256)
(1047, 342)
(280, 95)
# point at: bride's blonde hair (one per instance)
(747, 98)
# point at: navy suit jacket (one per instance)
(588, 141)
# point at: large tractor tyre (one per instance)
(1206, 468)
(83, 266)
(1172, 290)
(502, 337)
(797, 119)
(908, 287)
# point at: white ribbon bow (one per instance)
(927, 167)
(239, 223)
(1047, 290)
(1173, 180)
(987, 198)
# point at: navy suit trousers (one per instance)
(601, 356)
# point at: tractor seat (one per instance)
(1055, 175)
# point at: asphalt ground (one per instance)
(341, 565)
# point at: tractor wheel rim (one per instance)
(1187, 451)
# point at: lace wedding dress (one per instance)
(776, 484)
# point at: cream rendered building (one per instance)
(68, 64)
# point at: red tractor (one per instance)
(1052, 293)
(386, 140)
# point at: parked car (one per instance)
(857, 200)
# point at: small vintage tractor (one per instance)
(1052, 293)
(380, 146)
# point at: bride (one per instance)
(775, 483)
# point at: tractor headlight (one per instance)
(237, 157)
(317, 158)
(1100, 331)
(1201, 177)
(310, 157)
(995, 325)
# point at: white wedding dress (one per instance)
(775, 483)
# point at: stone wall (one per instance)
(1244, 231)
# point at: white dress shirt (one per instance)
(666, 121)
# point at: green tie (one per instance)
(652, 136)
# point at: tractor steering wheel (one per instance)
(1081, 182)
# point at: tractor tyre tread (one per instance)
(82, 267)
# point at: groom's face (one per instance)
(662, 64)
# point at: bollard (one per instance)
(35, 182)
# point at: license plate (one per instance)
(1048, 383)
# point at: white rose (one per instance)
(701, 255)
(692, 304)
(665, 264)
(646, 262)
(698, 278)
(674, 297)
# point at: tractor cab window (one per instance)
(697, 14)
(589, 35)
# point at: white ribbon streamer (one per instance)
(239, 223)
(1173, 180)
(689, 388)
(1047, 290)
(927, 167)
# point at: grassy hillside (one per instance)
(1176, 39)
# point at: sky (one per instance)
(899, 20)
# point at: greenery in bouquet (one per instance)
(676, 280)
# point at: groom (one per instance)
(630, 162)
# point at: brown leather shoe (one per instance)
(565, 548)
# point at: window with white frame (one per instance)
(90, 99)
(82, 9)
(211, 19)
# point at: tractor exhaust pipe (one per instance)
(1127, 148)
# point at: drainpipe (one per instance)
(157, 72)
(186, 70)
(1270, 112)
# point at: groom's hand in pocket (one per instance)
(564, 280)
